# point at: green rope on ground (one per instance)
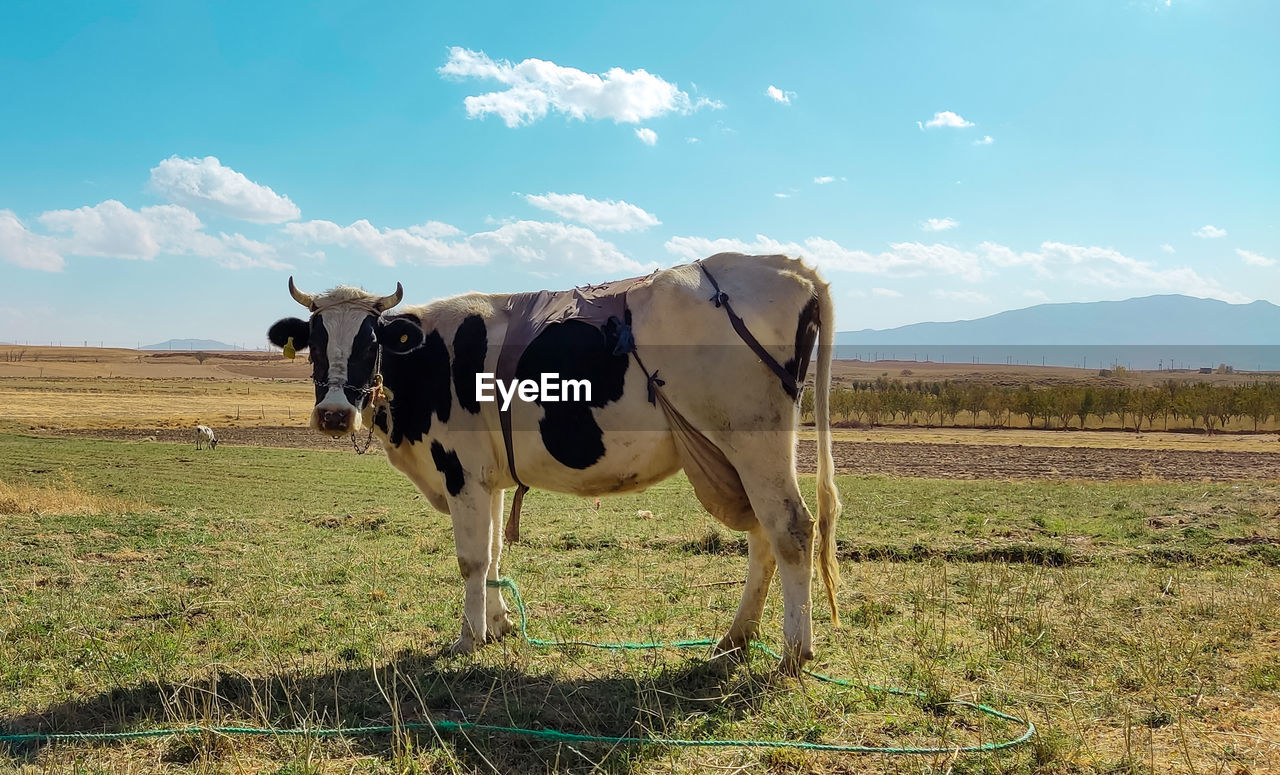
(569, 737)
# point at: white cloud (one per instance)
(945, 118)
(424, 244)
(111, 230)
(22, 247)
(986, 140)
(1209, 231)
(1255, 259)
(939, 224)
(889, 292)
(692, 140)
(434, 229)
(205, 184)
(1108, 267)
(1085, 265)
(547, 247)
(822, 180)
(647, 136)
(1166, 247)
(781, 195)
(999, 255)
(904, 259)
(780, 96)
(1036, 295)
(606, 215)
(239, 252)
(966, 296)
(536, 87)
(555, 247)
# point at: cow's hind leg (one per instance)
(789, 527)
(472, 524)
(760, 569)
(499, 615)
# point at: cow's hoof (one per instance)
(500, 626)
(732, 647)
(464, 645)
(793, 662)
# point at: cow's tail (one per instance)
(828, 497)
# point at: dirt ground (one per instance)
(994, 461)
(887, 458)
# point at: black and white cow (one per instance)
(205, 437)
(436, 431)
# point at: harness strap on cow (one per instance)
(721, 299)
(512, 531)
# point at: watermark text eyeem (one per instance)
(550, 389)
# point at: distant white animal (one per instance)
(204, 435)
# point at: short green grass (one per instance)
(1136, 624)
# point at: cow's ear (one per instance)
(400, 335)
(290, 329)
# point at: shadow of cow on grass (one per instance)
(686, 698)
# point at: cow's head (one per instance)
(345, 334)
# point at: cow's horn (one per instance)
(387, 302)
(305, 299)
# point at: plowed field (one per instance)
(992, 461)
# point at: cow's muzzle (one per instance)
(334, 420)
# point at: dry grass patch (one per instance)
(63, 498)
(98, 402)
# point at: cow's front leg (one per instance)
(499, 615)
(472, 529)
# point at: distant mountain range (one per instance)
(191, 344)
(1149, 320)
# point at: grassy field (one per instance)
(146, 585)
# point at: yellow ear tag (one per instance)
(289, 350)
(404, 338)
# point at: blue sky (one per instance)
(164, 167)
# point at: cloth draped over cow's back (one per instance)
(715, 481)
(528, 314)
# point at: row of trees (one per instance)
(1172, 404)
